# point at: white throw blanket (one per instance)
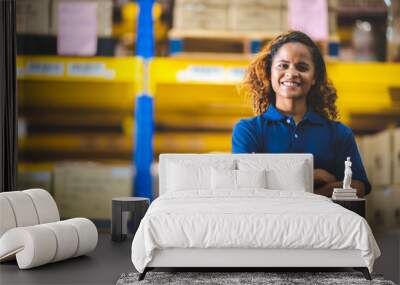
(250, 219)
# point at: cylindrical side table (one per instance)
(120, 208)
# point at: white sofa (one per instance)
(31, 230)
(285, 224)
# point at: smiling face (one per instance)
(292, 72)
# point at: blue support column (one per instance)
(143, 154)
(145, 34)
(144, 125)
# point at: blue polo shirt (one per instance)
(329, 141)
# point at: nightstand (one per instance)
(356, 205)
(121, 207)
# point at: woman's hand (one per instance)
(322, 177)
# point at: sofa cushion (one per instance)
(41, 244)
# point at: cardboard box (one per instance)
(333, 4)
(104, 16)
(87, 189)
(332, 22)
(284, 20)
(377, 157)
(359, 142)
(200, 15)
(367, 144)
(33, 17)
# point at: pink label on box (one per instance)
(77, 28)
(310, 17)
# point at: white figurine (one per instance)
(347, 174)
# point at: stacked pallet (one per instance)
(40, 17)
(230, 15)
(257, 15)
(201, 15)
(75, 108)
(37, 26)
(250, 23)
(381, 157)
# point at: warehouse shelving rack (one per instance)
(186, 99)
(97, 82)
(190, 92)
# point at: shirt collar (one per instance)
(313, 117)
(272, 114)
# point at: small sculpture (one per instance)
(346, 192)
(347, 174)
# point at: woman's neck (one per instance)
(292, 108)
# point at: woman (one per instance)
(295, 107)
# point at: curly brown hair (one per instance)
(322, 96)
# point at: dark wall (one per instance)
(8, 104)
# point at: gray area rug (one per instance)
(228, 278)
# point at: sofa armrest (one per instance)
(41, 244)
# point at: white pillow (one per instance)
(237, 179)
(251, 178)
(193, 175)
(223, 179)
(290, 180)
(290, 175)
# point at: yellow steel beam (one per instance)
(79, 69)
(78, 95)
(207, 86)
(210, 86)
(103, 144)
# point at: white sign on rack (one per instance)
(90, 69)
(42, 68)
(210, 73)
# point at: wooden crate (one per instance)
(255, 15)
(33, 17)
(242, 26)
(200, 14)
(86, 189)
